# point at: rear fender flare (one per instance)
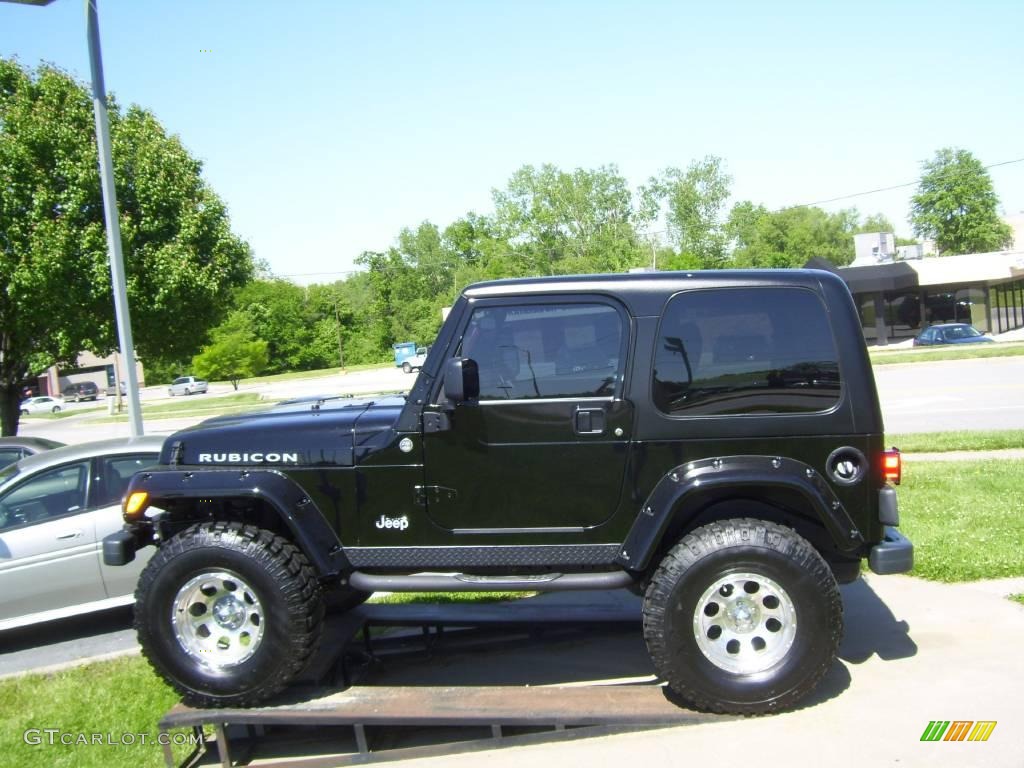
(688, 482)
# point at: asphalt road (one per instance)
(952, 395)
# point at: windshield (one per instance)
(962, 332)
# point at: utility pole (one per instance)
(117, 276)
(337, 318)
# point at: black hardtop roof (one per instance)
(645, 292)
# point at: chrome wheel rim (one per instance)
(744, 623)
(218, 619)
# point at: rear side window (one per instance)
(745, 351)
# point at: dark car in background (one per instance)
(83, 390)
(14, 449)
(950, 333)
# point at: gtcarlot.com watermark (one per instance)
(35, 737)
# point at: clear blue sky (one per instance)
(328, 126)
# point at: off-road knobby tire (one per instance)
(742, 546)
(286, 585)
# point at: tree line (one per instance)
(201, 303)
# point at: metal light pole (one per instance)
(117, 279)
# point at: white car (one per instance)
(55, 509)
(186, 385)
(42, 404)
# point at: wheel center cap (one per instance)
(229, 612)
(743, 615)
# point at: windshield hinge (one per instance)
(434, 494)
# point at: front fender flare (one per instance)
(733, 472)
(308, 526)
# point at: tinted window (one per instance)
(47, 495)
(115, 473)
(747, 350)
(541, 351)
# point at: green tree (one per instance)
(560, 222)
(956, 206)
(181, 258)
(235, 353)
(790, 237)
(876, 222)
(694, 200)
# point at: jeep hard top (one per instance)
(711, 440)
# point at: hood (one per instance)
(311, 432)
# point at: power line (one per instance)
(897, 186)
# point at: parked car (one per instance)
(415, 362)
(187, 385)
(950, 333)
(14, 449)
(83, 390)
(42, 404)
(112, 392)
(55, 509)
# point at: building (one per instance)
(104, 372)
(873, 248)
(899, 299)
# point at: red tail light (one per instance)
(892, 466)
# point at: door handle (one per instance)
(589, 421)
(69, 535)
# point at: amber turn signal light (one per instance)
(136, 504)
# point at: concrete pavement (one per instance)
(914, 651)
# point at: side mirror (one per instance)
(461, 380)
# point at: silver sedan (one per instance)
(55, 509)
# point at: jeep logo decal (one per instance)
(401, 523)
(248, 458)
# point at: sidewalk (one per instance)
(915, 651)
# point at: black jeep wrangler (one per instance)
(710, 440)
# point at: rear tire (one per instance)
(55, 409)
(406, 368)
(228, 614)
(743, 616)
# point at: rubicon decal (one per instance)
(401, 523)
(958, 730)
(248, 458)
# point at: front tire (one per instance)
(743, 616)
(228, 614)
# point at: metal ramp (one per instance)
(529, 670)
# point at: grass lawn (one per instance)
(966, 519)
(950, 352)
(407, 598)
(116, 697)
(938, 442)
(1017, 599)
(197, 405)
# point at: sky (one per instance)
(327, 126)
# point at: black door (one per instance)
(545, 446)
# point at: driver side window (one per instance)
(535, 351)
(48, 495)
